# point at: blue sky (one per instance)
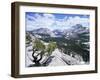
(54, 21)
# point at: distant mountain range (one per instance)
(72, 32)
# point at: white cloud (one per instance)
(51, 22)
(78, 20)
(71, 21)
(49, 16)
(45, 20)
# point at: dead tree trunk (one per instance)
(37, 60)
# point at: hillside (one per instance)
(45, 47)
(57, 58)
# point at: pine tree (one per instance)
(38, 50)
(51, 47)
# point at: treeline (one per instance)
(79, 45)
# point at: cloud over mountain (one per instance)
(54, 21)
